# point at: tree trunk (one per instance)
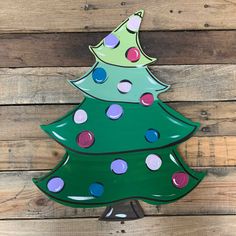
(123, 211)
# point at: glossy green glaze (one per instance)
(125, 134)
(140, 78)
(117, 56)
(79, 171)
(122, 138)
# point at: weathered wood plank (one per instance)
(151, 226)
(75, 16)
(71, 49)
(22, 122)
(43, 154)
(49, 85)
(21, 199)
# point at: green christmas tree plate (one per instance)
(121, 141)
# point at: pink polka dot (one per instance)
(85, 139)
(133, 54)
(180, 179)
(147, 99)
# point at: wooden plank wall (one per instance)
(43, 43)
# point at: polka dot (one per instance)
(55, 185)
(119, 166)
(180, 179)
(85, 139)
(134, 23)
(111, 41)
(153, 162)
(151, 135)
(146, 99)
(96, 189)
(99, 75)
(80, 116)
(133, 54)
(114, 111)
(124, 86)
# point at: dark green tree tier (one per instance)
(121, 140)
(79, 172)
(131, 131)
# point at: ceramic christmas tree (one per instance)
(121, 141)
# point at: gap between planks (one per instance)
(50, 85)
(151, 226)
(45, 154)
(21, 199)
(78, 16)
(71, 49)
(22, 122)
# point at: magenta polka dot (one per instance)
(85, 139)
(133, 54)
(180, 179)
(146, 99)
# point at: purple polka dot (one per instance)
(111, 41)
(124, 86)
(153, 162)
(119, 166)
(55, 184)
(134, 23)
(114, 111)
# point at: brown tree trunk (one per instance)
(123, 211)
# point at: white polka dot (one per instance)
(80, 116)
(124, 86)
(153, 162)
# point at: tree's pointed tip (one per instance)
(140, 13)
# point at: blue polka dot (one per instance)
(96, 189)
(99, 75)
(151, 135)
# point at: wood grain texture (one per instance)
(45, 154)
(93, 15)
(21, 198)
(22, 122)
(49, 85)
(71, 49)
(151, 226)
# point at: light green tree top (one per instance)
(114, 48)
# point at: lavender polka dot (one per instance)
(124, 86)
(114, 111)
(134, 23)
(80, 116)
(111, 41)
(153, 162)
(55, 184)
(119, 166)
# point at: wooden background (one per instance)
(43, 43)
